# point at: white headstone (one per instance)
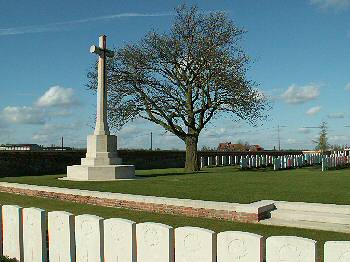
(195, 244)
(61, 237)
(338, 251)
(234, 246)
(210, 160)
(34, 235)
(0, 229)
(12, 232)
(290, 249)
(119, 240)
(155, 242)
(202, 161)
(89, 238)
(276, 163)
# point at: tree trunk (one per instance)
(192, 162)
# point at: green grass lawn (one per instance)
(228, 184)
(173, 220)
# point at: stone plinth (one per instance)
(101, 162)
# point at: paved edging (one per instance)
(253, 212)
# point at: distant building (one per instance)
(255, 148)
(21, 147)
(57, 148)
(228, 146)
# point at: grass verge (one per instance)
(228, 184)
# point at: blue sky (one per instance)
(300, 49)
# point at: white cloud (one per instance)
(339, 139)
(304, 130)
(43, 109)
(40, 138)
(331, 4)
(336, 115)
(56, 96)
(300, 94)
(347, 87)
(60, 26)
(51, 133)
(291, 141)
(313, 110)
(23, 115)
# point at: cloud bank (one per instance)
(336, 115)
(331, 4)
(53, 103)
(23, 115)
(300, 94)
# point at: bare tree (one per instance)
(184, 78)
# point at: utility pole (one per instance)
(279, 138)
(151, 141)
(62, 143)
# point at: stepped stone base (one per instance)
(101, 162)
(100, 173)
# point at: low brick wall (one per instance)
(22, 163)
(163, 208)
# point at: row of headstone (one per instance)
(248, 161)
(259, 161)
(288, 162)
(90, 238)
(335, 161)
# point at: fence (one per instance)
(88, 238)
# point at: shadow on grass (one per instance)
(170, 174)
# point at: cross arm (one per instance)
(100, 51)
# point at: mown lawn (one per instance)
(173, 220)
(228, 184)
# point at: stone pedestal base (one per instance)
(101, 162)
(100, 173)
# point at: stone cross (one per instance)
(101, 117)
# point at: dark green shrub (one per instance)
(6, 259)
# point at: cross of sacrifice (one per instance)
(101, 117)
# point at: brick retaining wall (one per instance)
(164, 208)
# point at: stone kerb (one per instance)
(195, 244)
(119, 240)
(290, 249)
(12, 242)
(34, 235)
(337, 251)
(89, 238)
(155, 242)
(235, 246)
(61, 236)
